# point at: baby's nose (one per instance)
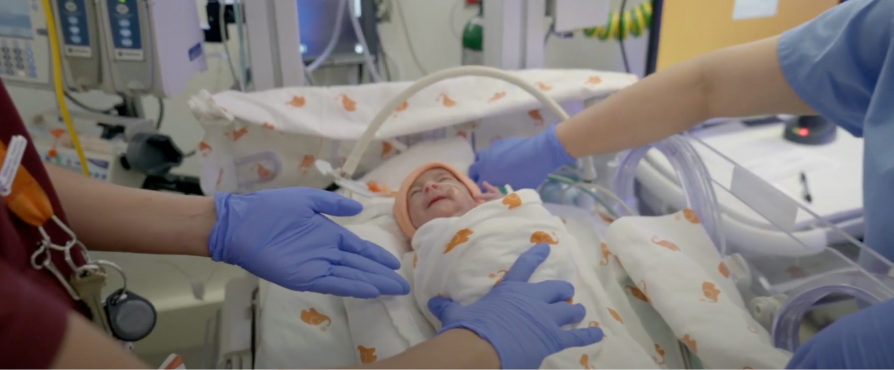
(430, 185)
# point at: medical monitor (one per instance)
(684, 29)
(316, 21)
(24, 59)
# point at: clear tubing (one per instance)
(370, 63)
(857, 284)
(694, 180)
(336, 33)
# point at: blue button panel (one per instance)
(124, 17)
(74, 22)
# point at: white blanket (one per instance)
(464, 257)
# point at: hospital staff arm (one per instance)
(453, 349)
(740, 81)
(85, 347)
(108, 217)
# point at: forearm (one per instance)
(740, 81)
(108, 217)
(85, 347)
(454, 349)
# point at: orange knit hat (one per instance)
(401, 206)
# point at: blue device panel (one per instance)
(124, 17)
(75, 29)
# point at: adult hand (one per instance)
(523, 321)
(861, 340)
(522, 163)
(282, 236)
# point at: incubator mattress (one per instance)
(667, 287)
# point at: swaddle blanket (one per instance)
(679, 272)
(464, 257)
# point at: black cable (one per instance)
(161, 113)
(620, 39)
(385, 67)
(85, 106)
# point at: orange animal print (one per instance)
(691, 343)
(499, 275)
(263, 172)
(402, 107)
(463, 134)
(666, 244)
(796, 272)
(312, 317)
(660, 359)
(594, 80)
(461, 236)
(564, 221)
(306, 163)
(444, 99)
(751, 329)
(615, 315)
(537, 117)
(415, 260)
(542, 237)
(585, 362)
(204, 148)
(711, 292)
(606, 218)
(544, 87)
(691, 216)
(238, 134)
(497, 96)
(639, 293)
(723, 269)
(268, 126)
(367, 355)
(387, 150)
(606, 254)
(346, 103)
(512, 201)
(297, 101)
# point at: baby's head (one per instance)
(434, 190)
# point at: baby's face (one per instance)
(437, 194)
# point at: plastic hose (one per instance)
(370, 63)
(336, 33)
(621, 26)
(58, 86)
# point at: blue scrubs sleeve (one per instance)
(835, 61)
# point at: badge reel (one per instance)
(130, 316)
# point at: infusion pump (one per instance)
(134, 47)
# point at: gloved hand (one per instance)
(282, 237)
(523, 321)
(861, 340)
(522, 163)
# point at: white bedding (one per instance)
(656, 320)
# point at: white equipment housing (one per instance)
(24, 44)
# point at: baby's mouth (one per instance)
(436, 198)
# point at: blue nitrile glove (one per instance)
(522, 163)
(523, 321)
(861, 340)
(282, 236)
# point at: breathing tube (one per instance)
(695, 180)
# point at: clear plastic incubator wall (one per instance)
(777, 257)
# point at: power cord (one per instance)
(621, 39)
(161, 113)
(86, 107)
(403, 22)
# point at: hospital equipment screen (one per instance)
(15, 18)
(684, 29)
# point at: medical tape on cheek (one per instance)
(27, 198)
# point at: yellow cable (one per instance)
(60, 89)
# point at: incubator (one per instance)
(781, 268)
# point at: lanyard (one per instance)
(24, 196)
